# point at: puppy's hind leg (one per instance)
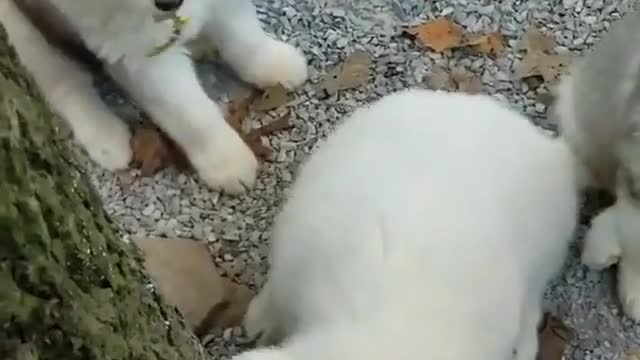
(629, 267)
(629, 286)
(68, 88)
(601, 245)
(527, 343)
(235, 30)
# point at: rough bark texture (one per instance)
(70, 288)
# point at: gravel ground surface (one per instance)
(173, 204)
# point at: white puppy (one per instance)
(598, 109)
(141, 43)
(426, 227)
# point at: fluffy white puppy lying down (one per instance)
(141, 43)
(425, 227)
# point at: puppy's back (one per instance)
(406, 185)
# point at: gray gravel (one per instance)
(173, 204)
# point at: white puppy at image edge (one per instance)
(598, 110)
(426, 227)
(134, 40)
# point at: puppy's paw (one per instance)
(227, 164)
(629, 289)
(108, 144)
(254, 322)
(260, 320)
(601, 247)
(276, 62)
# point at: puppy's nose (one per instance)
(168, 5)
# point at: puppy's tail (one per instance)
(594, 142)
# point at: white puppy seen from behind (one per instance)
(426, 227)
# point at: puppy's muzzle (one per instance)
(168, 5)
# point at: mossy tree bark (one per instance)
(70, 288)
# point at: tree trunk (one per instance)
(70, 287)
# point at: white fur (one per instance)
(426, 227)
(122, 33)
(613, 238)
(598, 110)
(614, 234)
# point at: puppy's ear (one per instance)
(270, 353)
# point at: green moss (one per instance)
(69, 287)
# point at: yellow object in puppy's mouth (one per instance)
(179, 23)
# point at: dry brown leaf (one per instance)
(457, 80)
(272, 97)
(283, 123)
(229, 312)
(238, 111)
(553, 338)
(254, 137)
(153, 151)
(443, 34)
(549, 67)
(187, 277)
(466, 82)
(439, 34)
(488, 44)
(539, 60)
(439, 79)
(352, 73)
(535, 41)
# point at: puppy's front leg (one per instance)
(527, 343)
(167, 87)
(235, 30)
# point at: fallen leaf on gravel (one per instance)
(352, 73)
(153, 151)
(466, 82)
(272, 97)
(187, 277)
(549, 67)
(254, 137)
(539, 60)
(439, 34)
(553, 338)
(439, 79)
(536, 41)
(238, 110)
(443, 34)
(283, 123)
(237, 113)
(456, 80)
(488, 44)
